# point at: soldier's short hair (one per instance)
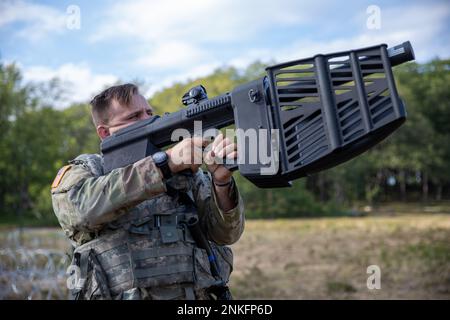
(101, 102)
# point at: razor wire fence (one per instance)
(33, 269)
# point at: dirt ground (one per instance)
(322, 258)
(328, 258)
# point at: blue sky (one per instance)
(163, 41)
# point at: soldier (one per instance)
(129, 227)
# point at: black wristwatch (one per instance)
(161, 160)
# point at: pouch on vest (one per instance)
(90, 280)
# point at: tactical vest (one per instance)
(150, 249)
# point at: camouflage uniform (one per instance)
(128, 232)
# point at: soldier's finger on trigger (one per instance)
(199, 142)
(220, 145)
(217, 140)
(226, 150)
(223, 144)
(209, 159)
(232, 155)
(227, 142)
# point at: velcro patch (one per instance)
(60, 175)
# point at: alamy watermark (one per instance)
(373, 21)
(254, 146)
(73, 17)
(74, 280)
(374, 280)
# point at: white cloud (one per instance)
(168, 54)
(39, 20)
(173, 40)
(78, 79)
(177, 34)
(200, 20)
(420, 24)
(176, 40)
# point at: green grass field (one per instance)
(327, 258)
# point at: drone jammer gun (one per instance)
(325, 110)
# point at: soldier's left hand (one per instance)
(220, 149)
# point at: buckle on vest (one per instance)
(169, 234)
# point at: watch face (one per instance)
(159, 157)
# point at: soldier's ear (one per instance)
(103, 131)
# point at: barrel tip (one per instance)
(409, 51)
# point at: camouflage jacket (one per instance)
(114, 216)
(84, 200)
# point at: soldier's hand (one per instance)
(221, 148)
(187, 154)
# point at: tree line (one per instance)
(411, 165)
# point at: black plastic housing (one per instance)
(326, 109)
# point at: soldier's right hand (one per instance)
(187, 154)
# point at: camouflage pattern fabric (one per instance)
(132, 227)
